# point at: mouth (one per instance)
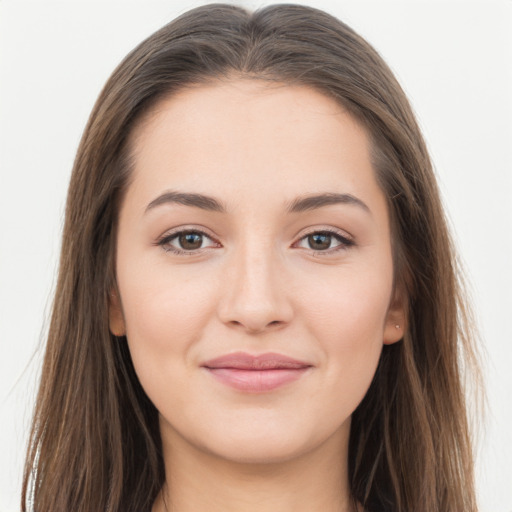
(256, 374)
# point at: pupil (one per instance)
(320, 241)
(191, 241)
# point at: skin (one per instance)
(254, 284)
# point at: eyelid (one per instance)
(171, 234)
(346, 240)
(327, 229)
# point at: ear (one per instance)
(396, 319)
(115, 315)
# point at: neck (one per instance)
(198, 481)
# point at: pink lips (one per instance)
(256, 374)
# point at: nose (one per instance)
(254, 297)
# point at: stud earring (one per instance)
(397, 326)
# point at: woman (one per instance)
(257, 302)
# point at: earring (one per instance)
(397, 326)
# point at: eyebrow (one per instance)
(300, 204)
(188, 199)
(312, 202)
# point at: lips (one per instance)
(256, 374)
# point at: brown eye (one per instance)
(319, 241)
(190, 241)
(186, 242)
(327, 242)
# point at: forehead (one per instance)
(245, 136)
(223, 107)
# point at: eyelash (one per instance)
(344, 241)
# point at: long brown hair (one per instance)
(95, 442)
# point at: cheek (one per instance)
(165, 314)
(350, 305)
(348, 320)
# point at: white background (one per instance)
(454, 59)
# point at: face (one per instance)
(254, 269)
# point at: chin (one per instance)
(258, 450)
(269, 443)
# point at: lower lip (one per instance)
(257, 381)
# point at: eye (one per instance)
(325, 241)
(186, 242)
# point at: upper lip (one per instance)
(244, 361)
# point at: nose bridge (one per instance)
(254, 274)
(253, 295)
